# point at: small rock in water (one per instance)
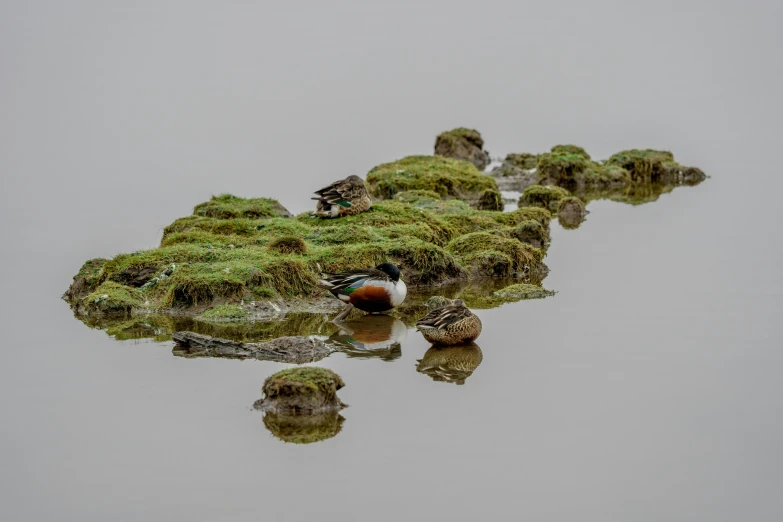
(307, 390)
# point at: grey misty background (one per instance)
(117, 117)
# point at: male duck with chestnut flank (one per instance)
(451, 324)
(371, 290)
(343, 198)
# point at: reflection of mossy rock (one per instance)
(463, 144)
(545, 196)
(293, 349)
(571, 212)
(449, 178)
(304, 429)
(523, 291)
(306, 390)
(450, 364)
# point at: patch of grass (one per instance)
(523, 160)
(288, 245)
(570, 149)
(546, 196)
(227, 206)
(447, 177)
(562, 167)
(112, 298)
(490, 255)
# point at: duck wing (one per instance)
(338, 193)
(345, 283)
(441, 318)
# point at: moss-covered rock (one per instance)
(307, 390)
(532, 233)
(227, 206)
(112, 298)
(655, 166)
(570, 149)
(463, 144)
(449, 178)
(523, 160)
(545, 196)
(490, 199)
(562, 168)
(489, 255)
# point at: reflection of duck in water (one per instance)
(304, 429)
(450, 324)
(450, 363)
(370, 336)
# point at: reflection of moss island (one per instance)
(223, 256)
(304, 429)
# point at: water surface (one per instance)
(647, 389)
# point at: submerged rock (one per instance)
(463, 144)
(450, 363)
(304, 429)
(306, 390)
(522, 291)
(294, 349)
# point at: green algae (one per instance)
(449, 178)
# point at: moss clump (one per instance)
(655, 166)
(522, 291)
(461, 133)
(304, 429)
(288, 245)
(546, 196)
(523, 160)
(306, 389)
(447, 177)
(86, 280)
(532, 233)
(490, 255)
(225, 312)
(571, 212)
(570, 149)
(490, 199)
(111, 298)
(562, 167)
(416, 196)
(226, 206)
(606, 175)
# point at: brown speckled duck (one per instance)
(346, 197)
(450, 324)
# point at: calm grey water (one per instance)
(649, 388)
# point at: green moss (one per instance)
(522, 160)
(522, 291)
(113, 298)
(491, 255)
(606, 175)
(645, 165)
(546, 196)
(288, 245)
(512, 219)
(415, 196)
(226, 206)
(225, 312)
(490, 199)
(532, 233)
(447, 177)
(306, 380)
(562, 167)
(570, 150)
(461, 133)
(86, 280)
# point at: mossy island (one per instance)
(239, 260)
(305, 390)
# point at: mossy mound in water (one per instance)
(546, 196)
(571, 167)
(307, 390)
(206, 260)
(522, 291)
(463, 144)
(304, 429)
(449, 178)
